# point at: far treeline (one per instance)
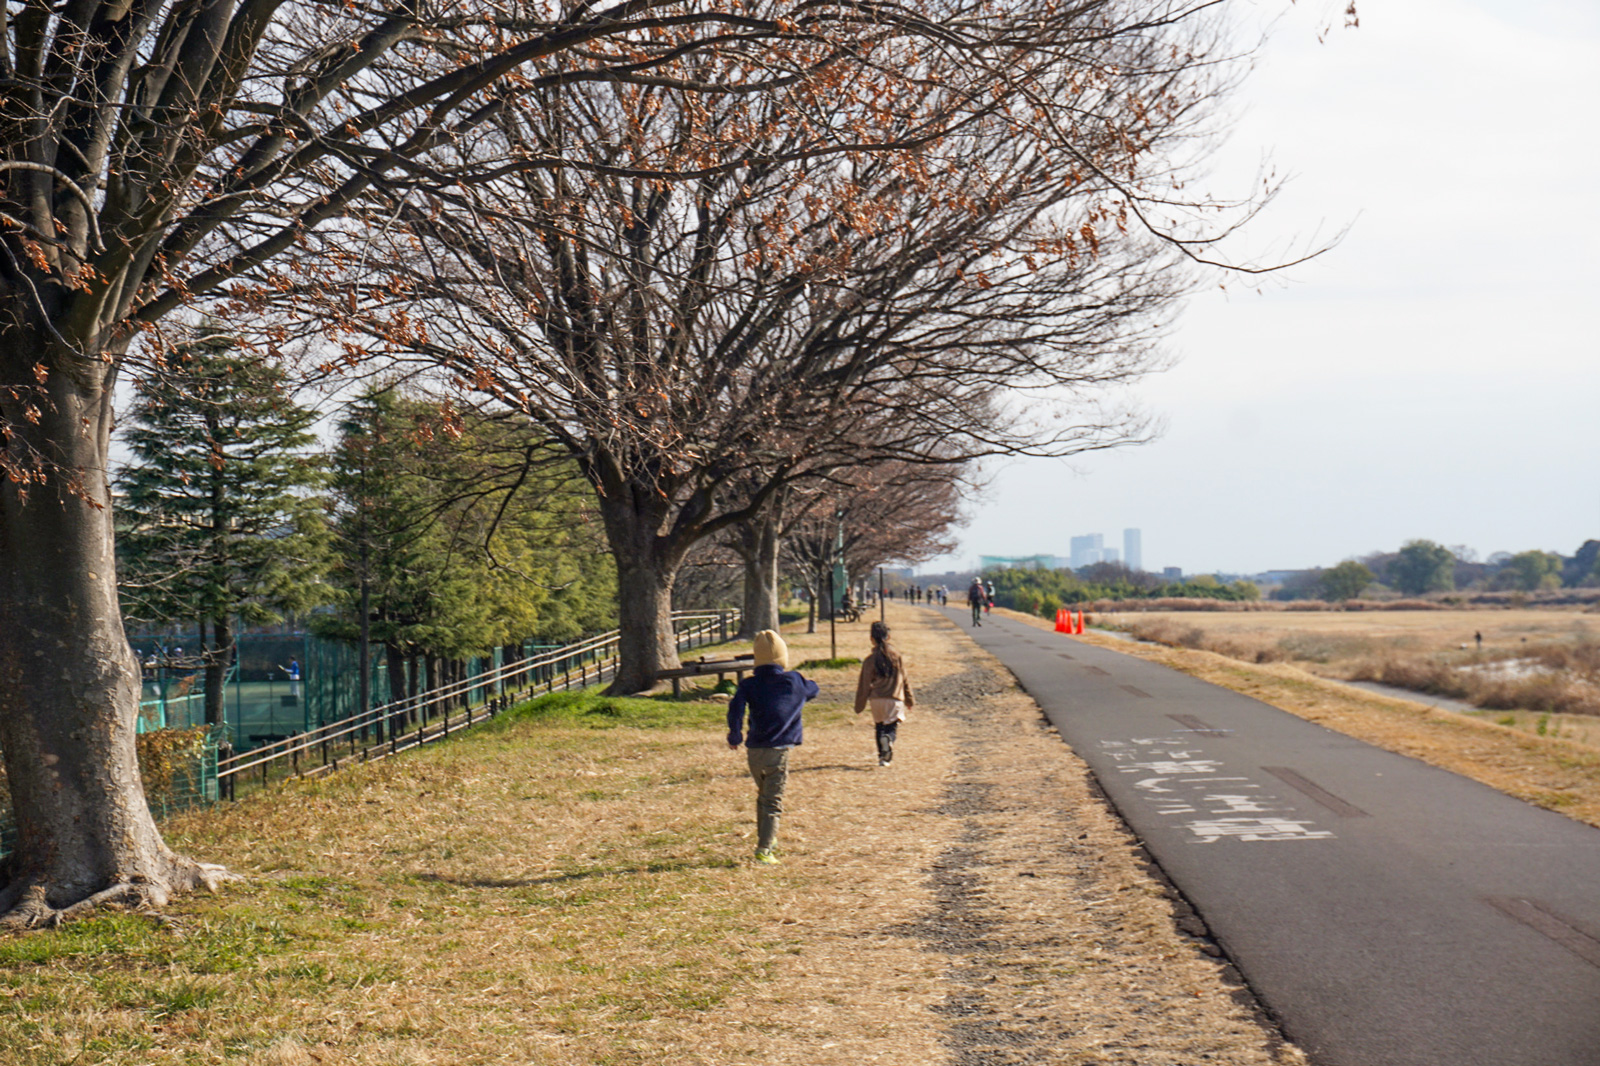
(1419, 568)
(1043, 592)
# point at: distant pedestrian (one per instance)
(977, 599)
(988, 606)
(1479, 638)
(774, 695)
(884, 687)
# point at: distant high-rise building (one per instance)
(1086, 550)
(1173, 573)
(1110, 555)
(1133, 549)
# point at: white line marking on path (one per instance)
(1167, 760)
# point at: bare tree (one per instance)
(157, 152)
(699, 346)
(872, 516)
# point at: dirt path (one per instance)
(1057, 945)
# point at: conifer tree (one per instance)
(221, 522)
(446, 546)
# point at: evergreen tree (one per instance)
(220, 522)
(449, 544)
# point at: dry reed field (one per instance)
(1560, 773)
(1322, 635)
(574, 886)
(1535, 669)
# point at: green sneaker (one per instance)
(766, 858)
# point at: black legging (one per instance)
(886, 736)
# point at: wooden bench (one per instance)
(738, 666)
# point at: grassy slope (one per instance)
(461, 895)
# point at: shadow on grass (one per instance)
(576, 875)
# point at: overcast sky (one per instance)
(1437, 374)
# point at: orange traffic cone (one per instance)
(1061, 620)
(1079, 629)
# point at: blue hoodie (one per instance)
(775, 697)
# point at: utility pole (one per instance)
(840, 578)
(882, 608)
(833, 621)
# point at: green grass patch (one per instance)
(841, 663)
(595, 710)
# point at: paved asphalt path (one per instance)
(1387, 913)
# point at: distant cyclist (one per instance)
(978, 599)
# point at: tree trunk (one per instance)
(647, 566)
(395, 665)
(413, 688)
(364, 644)
(69, 686)
(434, 681)
(218, 657)
(395, 668)
(758, 543)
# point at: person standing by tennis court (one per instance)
(884, 687)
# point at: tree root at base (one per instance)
(27, 905)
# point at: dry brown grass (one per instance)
(1560, 773)
(557, 892)
(1343, 634)
(1556, 652)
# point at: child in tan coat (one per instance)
(884, 687)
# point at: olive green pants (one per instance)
(770, 768)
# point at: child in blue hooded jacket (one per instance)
(774, 695)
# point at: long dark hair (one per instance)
(881, 662)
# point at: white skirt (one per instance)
(885, 710)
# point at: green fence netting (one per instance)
(280, 684)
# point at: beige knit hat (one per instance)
(770, 648)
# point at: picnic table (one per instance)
(705, 666)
